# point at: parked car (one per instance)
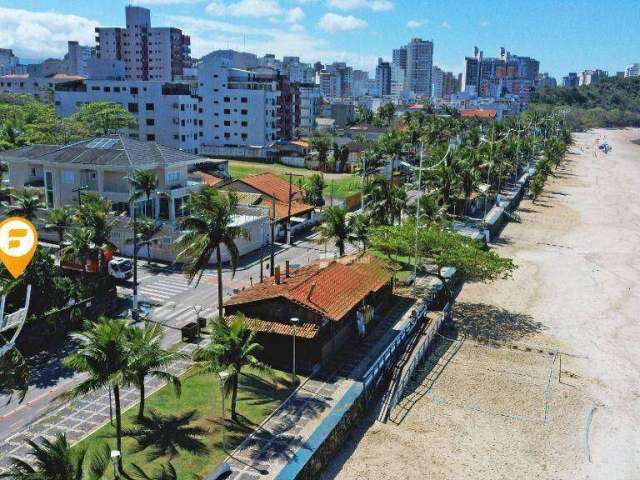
(121, 268)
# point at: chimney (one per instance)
(277, 274)
(286, 269)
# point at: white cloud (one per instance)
(416, 23)
(208, 35)
(245, 8)
(483, 24)
(375, 5)
(43, 34)
(294, 15)
(166, 2)
(332, 23)
(445, 25)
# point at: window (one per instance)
(106, 89)
(227, 111)
(151, 121)
(48, 188)
(151, 137)
(243, 112)
(33, 172)
(227, 99)
(227, 123)
(133, 108)
(94, 88)
(173, 176)
(227, 135)
(244, 123)
(243, 100)
(116, 89)
(150, 107)
(244, 136)
(68, 177)
(133, 90)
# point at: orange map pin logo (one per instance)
(18, 242)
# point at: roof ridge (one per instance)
(126, 152)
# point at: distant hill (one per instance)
(612, 102)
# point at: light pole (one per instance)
(294, 322)
(115, 454)
(79, 191)
(415, 267)
(223, 378)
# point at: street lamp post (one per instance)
(294, 322)
(79, 191)
(223, 378)
(115, 454)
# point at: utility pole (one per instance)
(415, 267)
(261, 252)
(288, 236)
(273, 235)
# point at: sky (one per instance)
(565, 35)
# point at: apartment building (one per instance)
(239, 107)
(591, 77)
(571, 80)
(9, 63)
(309, 103)
(360, 83)
(383, 78)
(78, 58)
(419, 67)
(166, 113)
(632, 70)
(148, 53)
(38, 87)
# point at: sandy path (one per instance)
(576, 290)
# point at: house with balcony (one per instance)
(103, 165)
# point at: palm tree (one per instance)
(208, 227)
(232, 349)
(335, 227)
(55, 460)
(24, 204)
(143, 183)
(397, 203)
(94, 214)
(312, 188)
(78, 246)
(148, 358)
(59, 220)
(358, 226)
(147, 230)
(103, 354)
(321, 144)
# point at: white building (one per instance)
(419, 66)
(398, 75)
(437, 81)
(78, 57)
(238, 108)
(360, 86)
(148, 53)
(9, 63)
(38, 87)
(166, 113)
(632, 70)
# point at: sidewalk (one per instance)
(282, 445)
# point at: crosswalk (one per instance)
(163, 289)
(176, 316)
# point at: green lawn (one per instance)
(258, 396)
(343, 186)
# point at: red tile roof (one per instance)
(330, 289)
(208, 178)
(480, 113)
(271, 185)
(306, 330)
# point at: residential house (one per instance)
(273, 192)
(103, 165)
(334, 301)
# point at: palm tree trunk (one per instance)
(116, 396)
(142, 394)
(234, 397)
(220, 296)
(148, 253)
